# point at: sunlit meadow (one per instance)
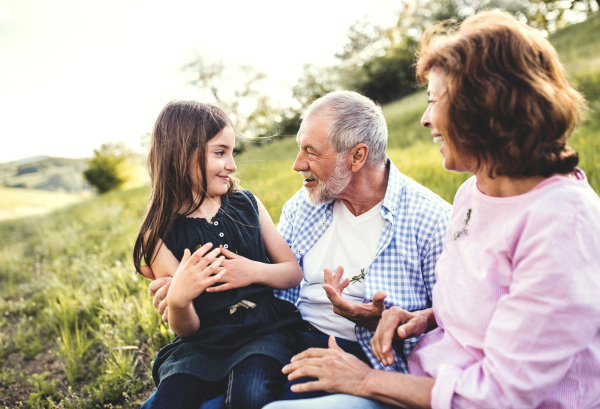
(77, 327)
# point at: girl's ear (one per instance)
(147, 272)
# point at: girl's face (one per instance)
(219, 162)
(436, 116)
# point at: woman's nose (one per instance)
(425, 119)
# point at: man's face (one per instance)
(326, 173)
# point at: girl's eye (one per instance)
(220, 153)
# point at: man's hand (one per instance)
(158, 290)
(365, 315)
(397, 324)
(240, 272)
(338, 371)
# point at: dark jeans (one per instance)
(252, 383)
(348, 346)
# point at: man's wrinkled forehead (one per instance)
(315, 125)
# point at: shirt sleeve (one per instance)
(550, 315)
(431, 252)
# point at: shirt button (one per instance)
(216, 223)
(226, 246)
(221, 234)
(299, 251)
(323, 223)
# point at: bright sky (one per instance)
(75, 74)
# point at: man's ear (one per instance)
(359, 156)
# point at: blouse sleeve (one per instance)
(550, 315)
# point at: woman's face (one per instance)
(436, 118)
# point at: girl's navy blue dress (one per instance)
(224, 339)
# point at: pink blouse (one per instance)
(517, 301)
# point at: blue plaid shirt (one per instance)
(410, 244)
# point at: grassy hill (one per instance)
(16, 202)
(54, 174)
(77, 328)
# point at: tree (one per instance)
(234, 87)
(109, 169)
(378, 62)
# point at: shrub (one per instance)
(109, 168)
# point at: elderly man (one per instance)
(357, 215)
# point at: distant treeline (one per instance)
(377, 61)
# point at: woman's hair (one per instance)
(179, 140)
(509, 105)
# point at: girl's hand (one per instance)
(194, 275)
(241, 272)
(395, 324)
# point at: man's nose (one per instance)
(300, 163)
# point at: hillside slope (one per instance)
(77, 327)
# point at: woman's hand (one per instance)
(240, 272)
(194, 275)
(338, 371)
(398, 324)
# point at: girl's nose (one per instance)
(231, 166)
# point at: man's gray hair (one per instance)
(353, 119)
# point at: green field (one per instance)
(77, 328)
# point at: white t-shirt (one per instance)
(350, 241)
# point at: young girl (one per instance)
(229, 341)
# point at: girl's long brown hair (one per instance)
(179, 140)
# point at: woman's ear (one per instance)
(359, 156)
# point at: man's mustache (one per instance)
(309, 175)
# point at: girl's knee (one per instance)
(253, 392)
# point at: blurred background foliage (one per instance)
(377, 61)
(77, 327)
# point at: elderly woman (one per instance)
(516, 309)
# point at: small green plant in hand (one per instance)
(357, 278)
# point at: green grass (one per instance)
(17, 202)
(77, 328)
(68, 287)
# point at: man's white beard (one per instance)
(335, 184)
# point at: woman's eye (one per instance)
(220, 153)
